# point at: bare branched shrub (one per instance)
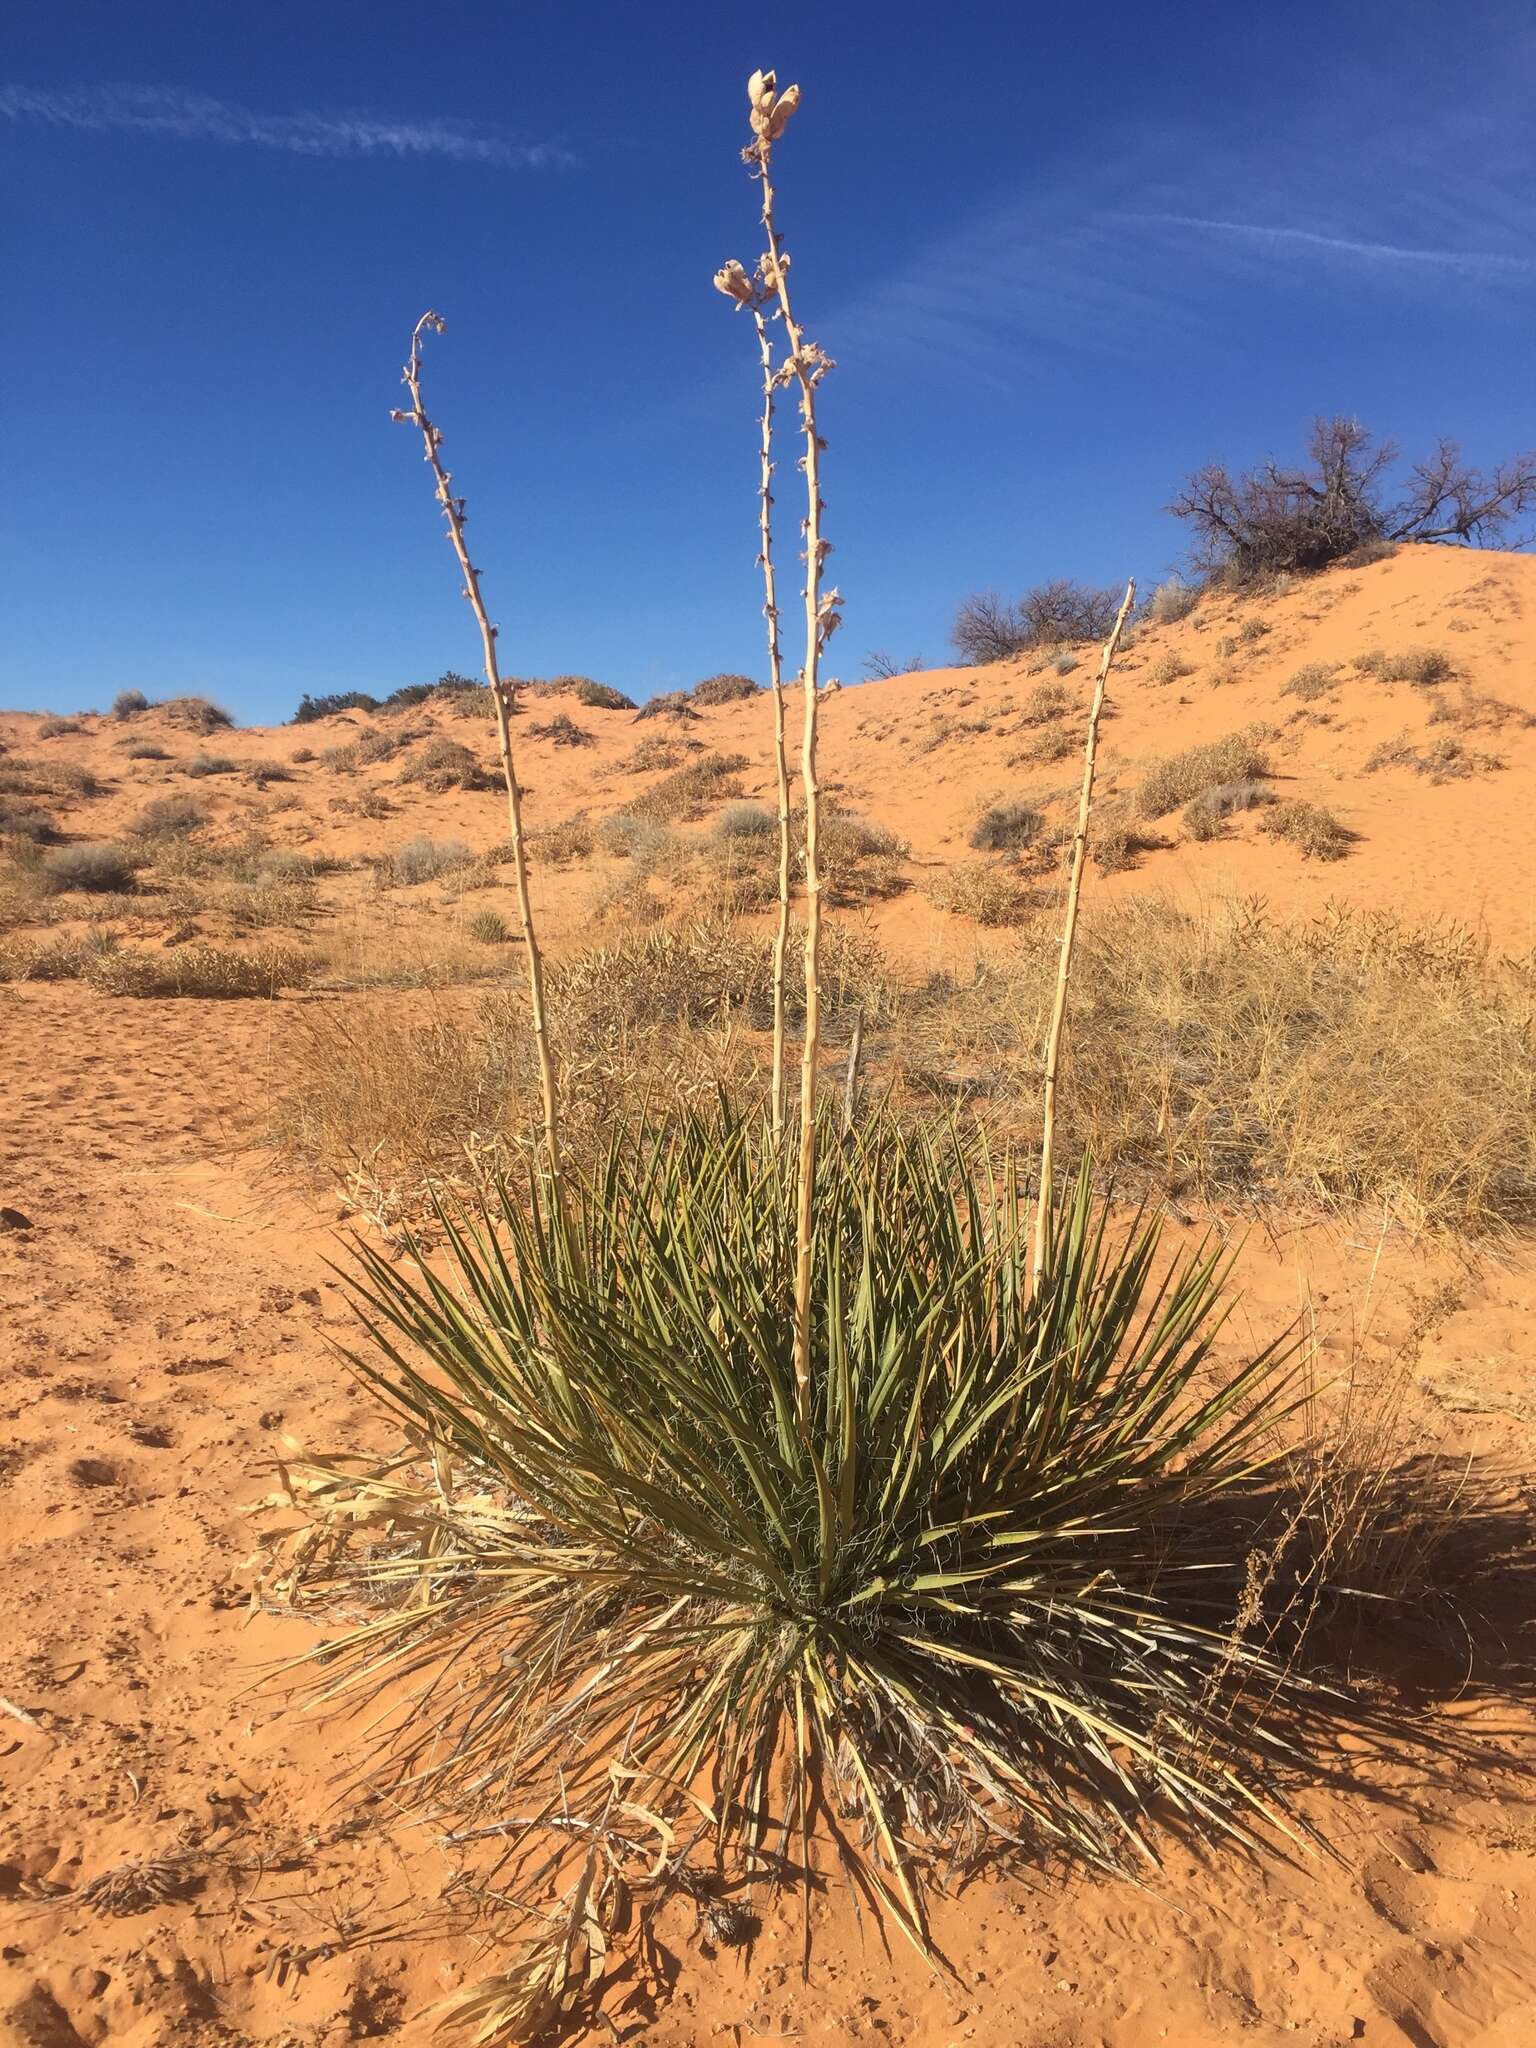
(880, 667)
(1336, 504)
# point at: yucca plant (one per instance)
(988, 1592)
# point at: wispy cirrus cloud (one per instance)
(1467, 262)
(196, 117)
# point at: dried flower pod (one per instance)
(770, 109)
(783, 107)
(733, 280)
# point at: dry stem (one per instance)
(806, 364)
(776, 684)
(1069, 936)
(503, 700)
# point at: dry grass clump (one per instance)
(593, 695)
(58, 728)
(654, 754)
(1046, 701)
(27, 821)
(562, 845)
(562, 731)
(1310, 827)
(1118, 843)
(1064, 664)
(95, 868)
(672, 704)
(147, 750)
(746, 821)
(691, 791)
(57, 958)
(367, 748)
(723, 689)
(1172, 601)
(210, 764)
(987, 891)
(858, 862)
(195, 714)
(129, 703)
(1207, 815)
(422, 860)
(199, 970)
(1422, 665)
(1443, 760)
(1050, 744)
(1315, 679)
(168, 817)
(1221, 1054)
(1006, 828)
(1176, 779)
(1169, 668)
(22, 777)
(444, 764)
(1252, 629)
(267, 768)
(1476, 712)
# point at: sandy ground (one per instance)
(166, 1318)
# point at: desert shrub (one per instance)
(1169, 668)
(1314, 830)
(301, 755)
(1251, 630)
(89, 867)
(747, 821)
(1044, 702)
(167, 817)
(198, 970)
(1335, 506)
(670, 1510)
(858, 862)
(267, 769)
(562, 732)
(561, 845)
(988, 629)
(641, 840)
(1476, 712)
(1423, 665)
(723, 689)
(58, 728)
(1064, 664)
(52, 959)
(672, 704)
(361, 752)
(195, 714)
(690, 791)
(984, 890)
(210, 764)
(26, 821)
(311, 708)
(1051, 743)
(423, 860)
(655, 753)
(596, 696)
(1117, 844)
(1172, 601)
(1174, 780)
(489, 927)
(21, 777)
(1005, 828)
(1206, 817)
(129, 703)
(147, 750)
(444, 764)
(1313, 680)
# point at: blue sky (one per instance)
(1062, 255)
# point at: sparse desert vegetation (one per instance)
(768, 1315)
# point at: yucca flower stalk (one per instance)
(503, 704)
(980, 1587)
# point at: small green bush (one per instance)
(489, 927)
(311, 708)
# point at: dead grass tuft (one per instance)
(1176, 779)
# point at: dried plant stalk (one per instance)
(1069, 937)
(805, 364)
(776, 685)
(503, 701)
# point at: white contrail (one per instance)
(193, 117)
(1374, 252)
